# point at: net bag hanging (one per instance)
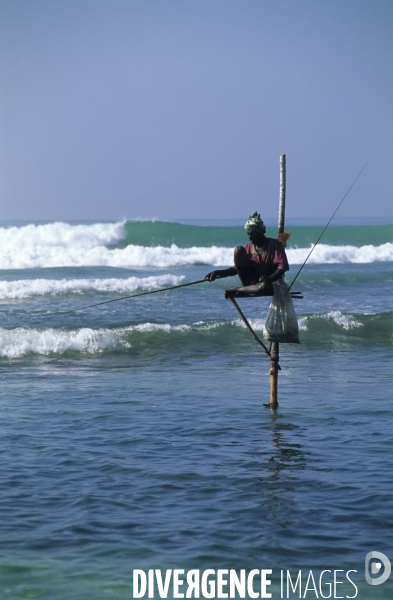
(281, 322)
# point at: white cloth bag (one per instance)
(281, 322)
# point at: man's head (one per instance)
(255, 227)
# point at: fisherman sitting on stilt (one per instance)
(258, 263)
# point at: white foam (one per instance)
(16, 343)
(325, 254)
(28, 288)
(64, 245)
(152, 327)
(54, 244)
(19, 342)
(302, 322)
(137, 257)
(256, 324)
(345, 321)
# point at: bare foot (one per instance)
(230, 293)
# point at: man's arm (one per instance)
(280, 261)
(277, 275)
(220, 274)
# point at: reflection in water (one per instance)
(287, 454)
(279, 469)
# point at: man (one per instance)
(260, 262)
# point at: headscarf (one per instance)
(255, 223)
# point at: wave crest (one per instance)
(345, 321)
(64, 245)
(325, 254)
(332, 327)
(29, 288)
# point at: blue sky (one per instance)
(181, 108)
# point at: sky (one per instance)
(180, 109)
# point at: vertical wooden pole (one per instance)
(275, 350)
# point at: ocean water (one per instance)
(134, 436)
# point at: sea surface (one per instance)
(134, 433)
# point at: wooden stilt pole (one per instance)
(275, 350)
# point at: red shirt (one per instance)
(272, 258)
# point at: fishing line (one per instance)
(330, 220)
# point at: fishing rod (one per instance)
(330, 220)
(173, 287)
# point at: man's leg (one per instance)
(243, 265)
(264, 288)
(246, 274)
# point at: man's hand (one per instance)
(212, 276)
(220, 273)
(277, 275)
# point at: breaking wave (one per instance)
(29, 288)
(110, 245)
(332, 327)
(19, 342)
(325, 254)
(346, 321)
